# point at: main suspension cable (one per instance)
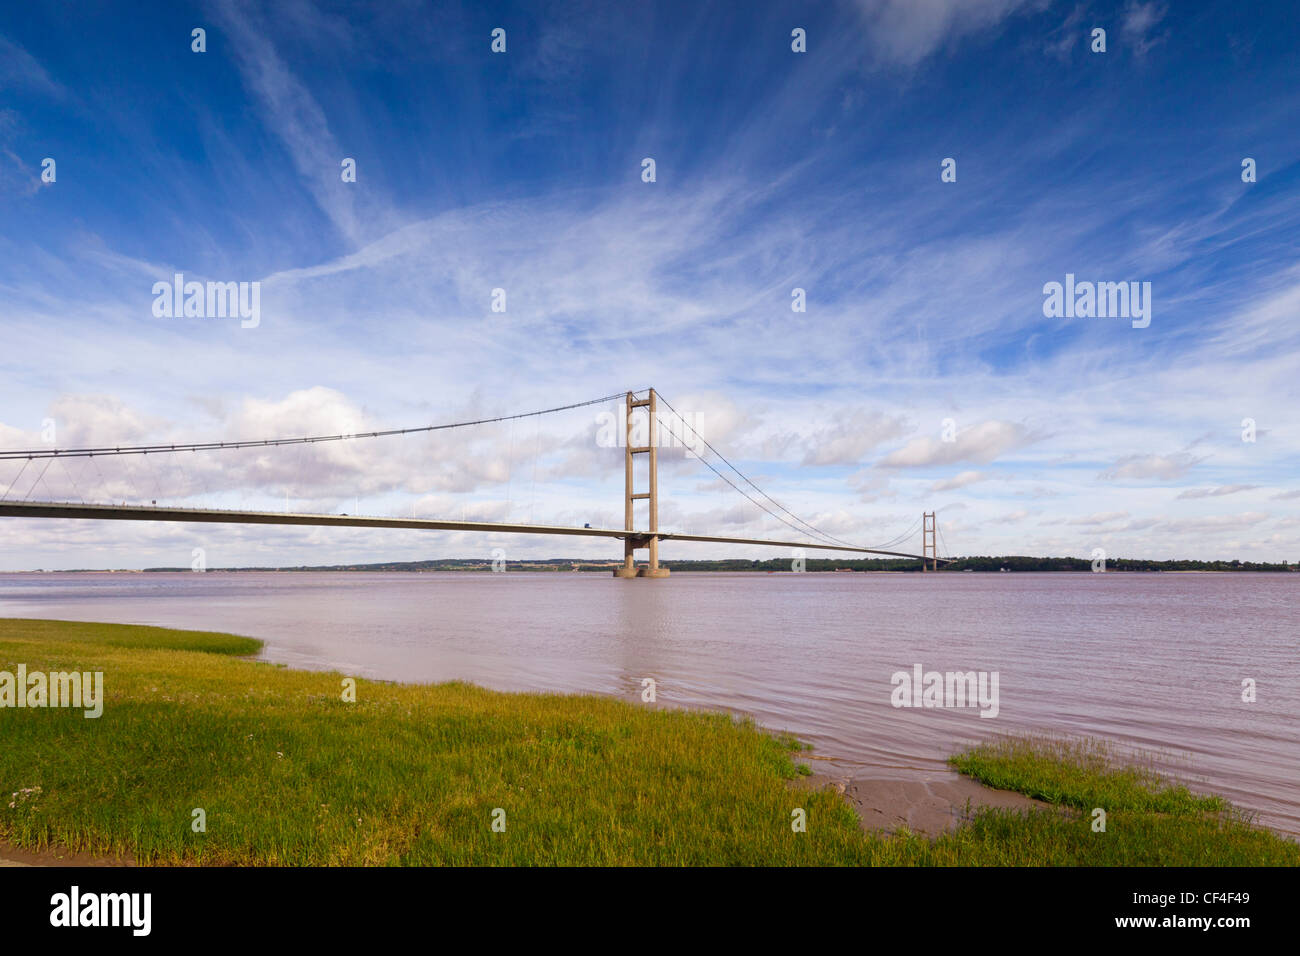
(817, 532)
(738, 488)
(273, 442)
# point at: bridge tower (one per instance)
(929, 548)
(649, 539)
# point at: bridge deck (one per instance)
(47, 509)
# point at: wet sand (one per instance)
(927, 806)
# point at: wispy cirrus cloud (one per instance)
(20, 70)
(960, 480)
(291, 112)
(1155, 467)
(1099, 518)
(1217, 492)
(1140, 20)
(905, 32)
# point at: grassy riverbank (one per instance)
(287, 772)
(1148, 819)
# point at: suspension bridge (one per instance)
(640, 439)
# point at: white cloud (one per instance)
(686, 289)
(295, 116)
(960, 480)
(1139, 20)
(904, 32)
(979, 444)
(20, 70)
(1099, 518)
(1218, 492)
(1163, 467)
(1068, 37)
(852, 433)
(1212, 524)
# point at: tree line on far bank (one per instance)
(980, 563)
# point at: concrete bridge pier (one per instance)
(650, 539)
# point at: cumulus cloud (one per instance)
(486, 458)
(851, 434)
(82, 421)
(979, 444)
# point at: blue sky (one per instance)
(775, 170)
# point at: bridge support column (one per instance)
(929, 546)
(649, 539)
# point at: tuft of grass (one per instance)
(1082, 773)
(1001, 837)
(1150, 819)
(288, 773)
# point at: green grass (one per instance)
(1079, 773)
(289, 773)
(1150, 820)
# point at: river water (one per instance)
(1155, 661)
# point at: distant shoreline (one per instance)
(586, 567)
